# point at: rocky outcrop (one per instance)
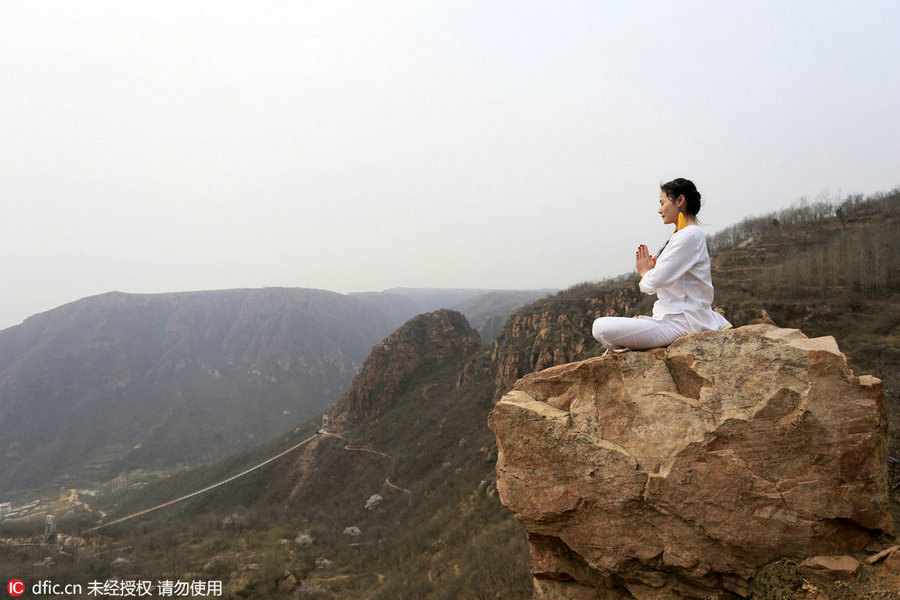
(556, 330)
(434, 338)
(679, 472)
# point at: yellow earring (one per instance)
(682, 223)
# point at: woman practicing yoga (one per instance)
(679, 275)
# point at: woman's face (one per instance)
(668, 210)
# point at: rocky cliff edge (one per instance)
(679, 472)
(427, 339)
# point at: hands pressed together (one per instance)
(643, 261)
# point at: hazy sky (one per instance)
(184, 145)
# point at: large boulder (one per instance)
(679, 472)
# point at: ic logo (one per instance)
(15, 587)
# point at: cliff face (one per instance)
(557, 330)
(679, 472)
(435, 338)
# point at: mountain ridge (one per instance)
(163, 377)
(434, 338)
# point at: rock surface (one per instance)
(435, 338)
(556, 330)
(679, 472)
(892, 562)
(835, 567)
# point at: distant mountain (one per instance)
(485, 309)
(118, 382)
(489, 311)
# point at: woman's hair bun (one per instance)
(686, 188)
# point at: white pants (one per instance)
(640, 333)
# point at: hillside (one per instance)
(120, 382)
(398, 505)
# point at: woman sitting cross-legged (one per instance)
(679, 275)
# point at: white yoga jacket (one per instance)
(682, 282)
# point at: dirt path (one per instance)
(351, 447)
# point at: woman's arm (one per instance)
(683, 252)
